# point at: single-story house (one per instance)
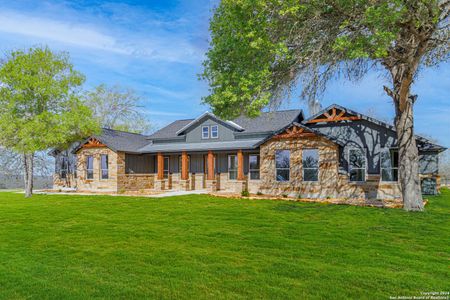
(337, 153)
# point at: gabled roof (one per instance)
(269, 121)
(266, 122)
(119, 140)
(304, 129)
(170, 131)
(423, 143)
(211, 116)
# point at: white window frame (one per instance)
(92, 170)
(101, 167)
(217, 131)
(254, 170)
(166, 172)
(203, 136)
(229, 169)
(318, 166)
(365, 164)
(392, 168)
(289, 169)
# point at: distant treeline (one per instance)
(16, 182)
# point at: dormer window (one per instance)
(205, 132)
(214, 131)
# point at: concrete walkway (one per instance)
(179, 193)
(159, 195)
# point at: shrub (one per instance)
(245, 193)
(259, 193)
(285, 195)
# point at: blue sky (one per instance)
(156, 47)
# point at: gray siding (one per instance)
(72, 159)
(372, 138)
(194, 135)
(139, 164)
(428, 163)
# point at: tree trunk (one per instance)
(408, 154)
(28, 159)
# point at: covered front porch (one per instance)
(231, 171)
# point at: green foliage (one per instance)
(40, 105)
(204, 247)
(260, 49)
(245, 193)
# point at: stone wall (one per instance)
(136, 182)
(331, 184)
(326, 186)
(69, 182)
(97, 184)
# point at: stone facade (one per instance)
(97, 184)
(327, 184)
(333, 182)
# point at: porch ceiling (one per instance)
(177, 147)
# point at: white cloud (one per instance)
(63, 32)
(153, 45)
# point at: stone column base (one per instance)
(240, 186)
(211, 185)
(160, 184)
(185, 184)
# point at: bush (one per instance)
(245, 193)
(259, 193)
(285, 195)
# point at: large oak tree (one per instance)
(262, 49)
(40, 105)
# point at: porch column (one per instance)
(240, 170)
(184, 166)
(210, 165)
(160, 166)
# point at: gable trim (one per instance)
(301, 131)
(92, 142)
(334, 115)
(228, 124)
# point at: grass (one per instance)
(78, 247)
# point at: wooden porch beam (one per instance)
(160, 166)
(210, 165)
(240, 170)
(184, 166)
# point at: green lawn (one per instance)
(199, 246)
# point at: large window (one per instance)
(205, 132)
(104, 166)
(64, 167)
(253, 163)
(89, 167)
(232, 167)
(389, 165)
(214, 131)
(166, 166)
(310, 163)
(282, 164)
(357, 164)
